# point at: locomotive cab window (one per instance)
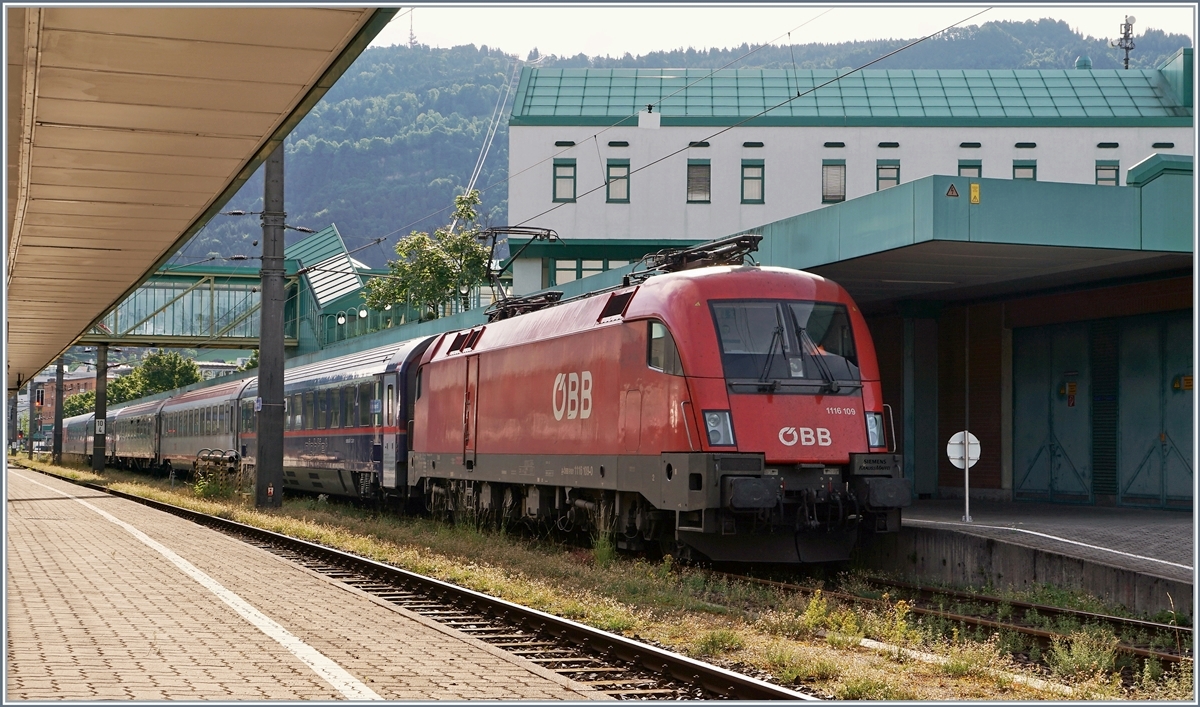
(787, 344)
(662, 353)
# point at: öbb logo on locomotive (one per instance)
(573, 395)
(806, 436)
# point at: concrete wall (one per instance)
(792, 169)
(962, 560)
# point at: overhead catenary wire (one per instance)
(799, 94)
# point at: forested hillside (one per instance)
(391, 144)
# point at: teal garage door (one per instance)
(1052, 414)
(1155, 462)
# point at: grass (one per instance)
(1085, 652)
(687, 609)
(719, 642)
(872, 689)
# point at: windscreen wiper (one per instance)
(777, 337)
(826, 374)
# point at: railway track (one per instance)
(982, 605)
(618, 666)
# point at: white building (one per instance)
(727, 151)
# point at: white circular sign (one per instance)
(954, 449)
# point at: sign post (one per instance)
(963, 452)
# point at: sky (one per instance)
(614, 30)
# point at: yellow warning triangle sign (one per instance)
(951, 191)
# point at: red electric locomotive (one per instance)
(730, 412)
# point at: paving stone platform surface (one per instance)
(96, 613)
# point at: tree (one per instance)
(159, 371)
(431, 270)
(164, 370)
(251, 362)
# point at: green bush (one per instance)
(792, 666)
(1085, 652)
(870, 689)
(719, 642)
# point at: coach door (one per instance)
(390, 429)
(470, 411)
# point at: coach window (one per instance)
(221, 419)
(335, 408)
(365, 391)
(391, 392)
(309, 412)
(322, 409)
(662, 352)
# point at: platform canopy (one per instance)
(128, 128)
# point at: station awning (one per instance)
(948, 239)
(129, 128)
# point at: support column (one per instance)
(921, 395)
(98, 447)
(29, 422)
(58, 412)
(12, 420)
(268, 485)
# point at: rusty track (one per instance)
(1042, 635)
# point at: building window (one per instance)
(1108, 173)
(618, 181)
(699, 182)
(564, 180)
(752, 182)
(1025, 169)
(970, 168)
(887, 174)
(833, 181)
(570, 270)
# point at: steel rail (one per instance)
(972, 620)
(651, 658)
(1040, 608)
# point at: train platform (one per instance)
(111, 600)
(1142, 558)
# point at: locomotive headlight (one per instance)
(875, 429)
(720, 427)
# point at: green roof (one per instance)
(871, 97)
(330, 272)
